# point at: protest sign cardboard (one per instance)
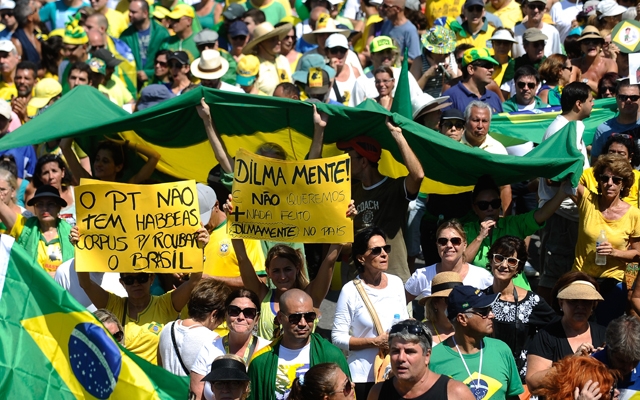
(291, 201)
(138, 228)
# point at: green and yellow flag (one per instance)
(53, 348)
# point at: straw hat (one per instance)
(263, 32)
(210, 65)
(590, 32)
(579, 290)
(324, 25)
(442, 284)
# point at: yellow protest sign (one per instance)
(138, 228)
(291, 201)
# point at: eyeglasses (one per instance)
(6, 14)
(375, 251)
(69, 49)
(383, 81)
(475, 8)
(535, 6)
(501, 43)
(530, 85)
(47, 204)
(567, 68)
(292, 37)
(606, 89)
(482, 312)
(483, 64)
(234, 385)
(240, 38)
(295, 318)
(604, 178)
(459, 125)
(624, 97)
(163, 64)
(174, 65)
(539, 43)
(411, 329)
(456, 241)
(337, 50)
(249, 312)
(512, 262)
(484, 205)
(590, 42)
(346, 390)
(118, 336)
(130, 279)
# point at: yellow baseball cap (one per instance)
(247, 70)
(182, 10)
(476, 54)
(45, 90)
(381, 43)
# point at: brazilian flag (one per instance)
(53, 348)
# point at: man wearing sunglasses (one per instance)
(526, 80)
(8, 19)
(471, 356)
(274, 368)
(628, 101)
(410, 351)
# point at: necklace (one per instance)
(248, 352)
(475, 390)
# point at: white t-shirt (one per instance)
(208, 353)
(291, 364)
(365, 87)
(189, 340)
(563, 14)
(568, 208)
(420, 282)
(67, 278)
(553, 44)
(353, 316)
(230, 88)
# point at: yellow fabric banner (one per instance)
(138, 228)
(292, 201)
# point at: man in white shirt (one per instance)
(563, 13)
(534, 11)
(560, 234)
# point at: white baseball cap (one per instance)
(7, 5)
(609, 8)
(5, 109)
(336, 40)
(503, 34)
(7, 45)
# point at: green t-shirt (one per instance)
(188, 45)
(273, 12)
(499, 377)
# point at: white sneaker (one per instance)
(529, 271)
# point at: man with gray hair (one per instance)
(622, 353)
(410, 353)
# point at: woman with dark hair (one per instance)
(575, 296)
(572, 47)
(519, 313)
(288, 47)
(605, 211)
(354, 327)
(161, 72)
(579, 378)
(625, 146)
(607, 85)
(181, 340)
(384, 82)
(321, 382)
(555, 72)
(51, 57)
(242, 314)
(52, 170)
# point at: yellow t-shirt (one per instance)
(510, 15)
(588, 180)
(272, 74)
(117, 22)
(142, 336)
(221, 259)
(49, 253)
(360, 45)
(479, 40)
(442, 8)
(8, 91)
(117, 91)
(499, 70)
(618, 233)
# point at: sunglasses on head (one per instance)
(484, 205)
(482, 312)
(456, 241)
(623, 135)
(346, 390)
(604, 178)
(475, 8)
(249, 312)
(295, 318)
(411, 329)
(375, 251)
(130, 279)
(624, 97)
(512, 262)
(530, 85)
(453, 124)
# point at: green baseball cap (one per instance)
(476, 54)
(381, 43)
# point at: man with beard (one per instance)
(25, 80)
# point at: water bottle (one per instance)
(600, 258)
(396, 319)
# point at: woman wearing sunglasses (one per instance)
(452, 243)
(181, 340)
(606, 211)
(519, 313)
(321, 382)
(228, 379)
(242, 315)
(575, 297)
(383, 292)
(484, 230)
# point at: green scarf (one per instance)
(30, 238)
(264, 365)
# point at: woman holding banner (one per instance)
(45, 236)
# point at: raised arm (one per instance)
(319, 287)
(546, 211)
(77, 171)
(98, 296)
(219, 149)
(247, 272)
(180, 296)
(319, 123)
(153, 157)
(414, 179)
(474, 246)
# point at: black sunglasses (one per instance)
(512, 262)
(604, 178)
(346, 390)
(606, 89)
(624, 97)
(482, 312)
(451, 124)
(475, 8)
(536, 6)
(295, 318)
(163, 64)
(530, 85)
(567, 68)
(130, 279)
(484, 205)
(411, 329)
(623, 135)
(249, 312)
(483, 64)
(337, 50)
(239, 37)
(375, 251)
(456, 241)
(118, 336)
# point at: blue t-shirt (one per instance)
(25, 160)
(143, 43)
(56, 14)
(604, 131)
(629, 386)
(406, 35)
(460, 97)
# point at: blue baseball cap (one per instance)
(238, 28)
(464, 298)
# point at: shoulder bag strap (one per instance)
(124, 315)
(336, 90)
(367, 303)
(175, 346)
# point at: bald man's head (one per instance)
(96, 39)
(315, 14)
(293, 299)
(96, 22)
